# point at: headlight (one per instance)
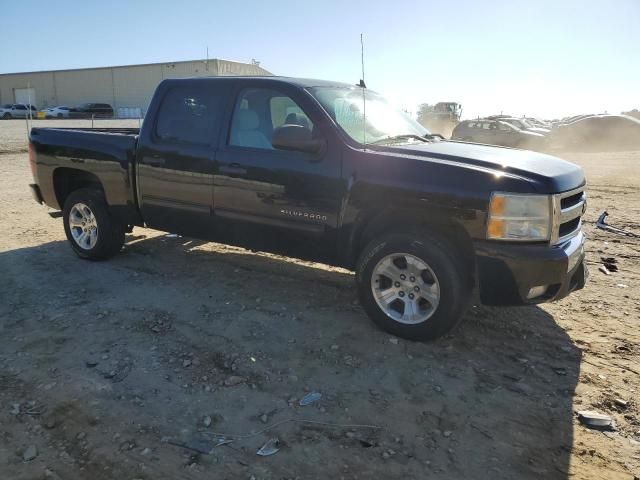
(519, 217)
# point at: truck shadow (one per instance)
(492, 399)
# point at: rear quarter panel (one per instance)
(108, 156)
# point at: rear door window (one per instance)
(189, 115)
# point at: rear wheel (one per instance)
(413, 286)
(92, 232)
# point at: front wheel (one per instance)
(6, 116)
(92, 232)
(413, 286)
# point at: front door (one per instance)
(260, 185)
(175, 161)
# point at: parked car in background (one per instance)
(89, 110)
(521, 124)
(57, 112)
(497, 132)
(19, 110)
(568, 120)
(4, 109)
(536, 122)
(605, 131)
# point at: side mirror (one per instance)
(295, 138)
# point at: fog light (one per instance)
(536, 291)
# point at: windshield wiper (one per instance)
(392, 138)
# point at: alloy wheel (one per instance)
(405, 288)
(83, 226)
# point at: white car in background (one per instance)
(18, 110)
(57, 112)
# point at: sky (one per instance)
(543, 58)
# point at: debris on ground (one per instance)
(560, 370)
(611, 263)
(610, 228)
(196, 444)
(30, 453)
(234, 380)
(598, 421)
(604, 270)
(310, 398)
(620, 403)
(272, 446)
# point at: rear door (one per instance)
(261, 185)
(175, 158)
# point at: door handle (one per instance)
(154, 160)
(233, 169)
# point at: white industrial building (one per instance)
(126, 88)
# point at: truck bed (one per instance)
(105, 154)
(117, 142)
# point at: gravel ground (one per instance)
(107, 368)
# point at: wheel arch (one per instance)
(67, 180)
(392, 220)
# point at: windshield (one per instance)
(383, 121)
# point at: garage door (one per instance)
(25, 95)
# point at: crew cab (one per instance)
(329, 171)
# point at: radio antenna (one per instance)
(363, 86)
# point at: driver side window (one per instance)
(258, 112)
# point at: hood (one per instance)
(546, 173)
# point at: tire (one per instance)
(445, 281)
(89, 206)
(59, 115)
(6, 116)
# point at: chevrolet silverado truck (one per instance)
(331, 170)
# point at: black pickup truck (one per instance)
(329, 171)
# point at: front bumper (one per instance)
(36, 193)
(506, 272)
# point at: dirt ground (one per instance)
(105, 367)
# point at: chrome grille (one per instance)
(568, 208)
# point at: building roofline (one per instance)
(300, 82)
(203, 60)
